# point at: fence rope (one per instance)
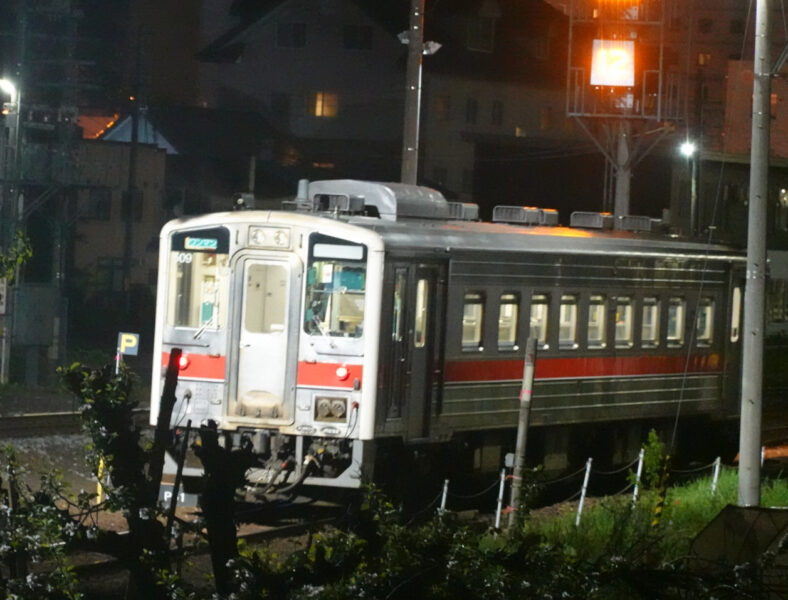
(685, 471)
(617, 471)
(476, 495)
(564, 478)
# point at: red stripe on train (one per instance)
(603, 366)
(200, 366)
(329, 374)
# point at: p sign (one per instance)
(128, 343)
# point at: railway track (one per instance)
(52, 423)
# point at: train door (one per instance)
(417, 370)
(266, 338)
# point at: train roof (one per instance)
(479, 236)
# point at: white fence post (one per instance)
(500, 500)
(583, 491)
(442, 509)
(716, 475)
(641, 454)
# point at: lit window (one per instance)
(596, 322)
(704, 58)
(325, 104)
(507, 321)
(624, 322)
(539, 313)
(675, 332)
(567, 321)
(704, 322)
(472, 320)
(649, 332)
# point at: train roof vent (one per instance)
(525, 215)
(633, 223)
(591, 220)
(463, 211)
(389, 201)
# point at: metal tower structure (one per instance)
(622, 87)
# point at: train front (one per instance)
(277, 315)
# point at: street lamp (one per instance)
(689, 150)
(9, 171)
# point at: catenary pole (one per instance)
(755, 289)
(410, 133)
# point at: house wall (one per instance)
(100, 227)
(282, 81)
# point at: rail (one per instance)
(52, 423)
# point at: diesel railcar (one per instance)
(369, 317)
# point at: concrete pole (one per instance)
(755, 289)
(623, 169)
(410, 132)
(522, 426)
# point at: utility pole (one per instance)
(755, 289)
(410, 134)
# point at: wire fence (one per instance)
(632, 480)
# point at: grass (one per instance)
(612, 526)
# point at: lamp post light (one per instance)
(9, 180)
(689, 150)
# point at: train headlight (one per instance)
(269, 237)
(330, 408)
(322, 408)
(338, 407)
(183, 362)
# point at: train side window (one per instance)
(624, 322)
(597, 311)
(399, 303)
(472, 319)
(508, 316)
(735, 314)
(567, 319)
(704, 322)
(420, 317)
(676, 315)
(540, 304)
(649, 330)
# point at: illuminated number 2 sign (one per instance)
(613, 63)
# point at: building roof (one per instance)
(194, 131)
(229, 47)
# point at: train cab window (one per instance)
(567, 320)
(735, 314)
(624, 322)
(472, 320)
(597, 310)
(540, 304)
(676, 315)
(199, 279)
(421, 315)
(335, 288)
(508, 314)
(704, 322)
(649, 329)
